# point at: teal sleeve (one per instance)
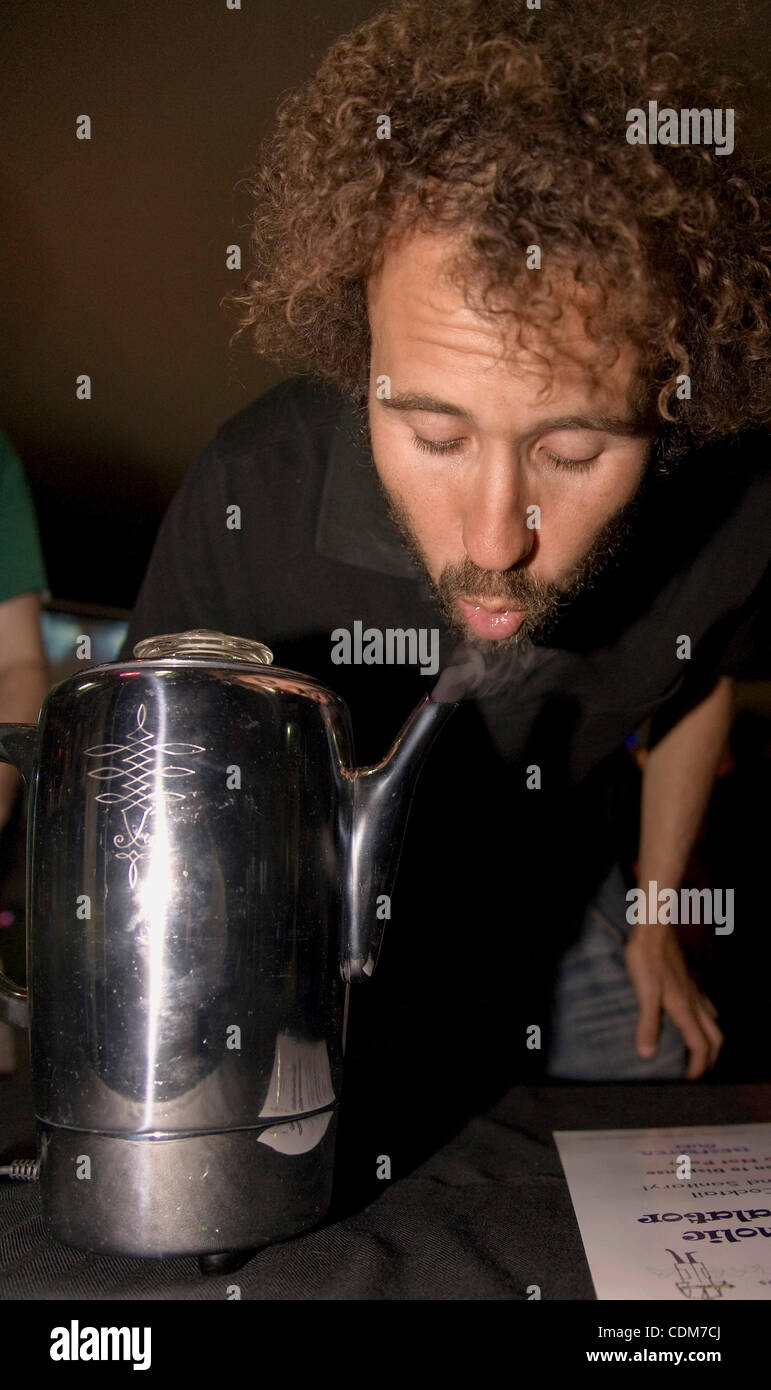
(22, 568)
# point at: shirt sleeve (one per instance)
(748, 652)
(22, 569)
(743, 651)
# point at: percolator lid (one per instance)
(201, 642)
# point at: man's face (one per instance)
(472, 442)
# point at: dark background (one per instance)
(113, 256)
(113, 261)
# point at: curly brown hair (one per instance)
(508, 128)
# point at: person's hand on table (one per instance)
(661, 980)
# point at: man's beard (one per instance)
(543, 601)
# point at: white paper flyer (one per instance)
(681, 1213)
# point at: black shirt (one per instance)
(494, 874)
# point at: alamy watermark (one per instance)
(76, 1343)
(689, 126)
(667, 905)
(374, 646)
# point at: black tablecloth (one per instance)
(487, 1215)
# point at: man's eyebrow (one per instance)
(410, 401)
(606, 424)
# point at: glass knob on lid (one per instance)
(200, 642)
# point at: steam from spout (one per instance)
(474, 674)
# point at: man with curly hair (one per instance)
(531, 415)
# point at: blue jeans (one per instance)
(595, 1010)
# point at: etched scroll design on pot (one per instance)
(135, 768)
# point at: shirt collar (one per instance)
(354, 525)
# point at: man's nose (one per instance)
(496, 533)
